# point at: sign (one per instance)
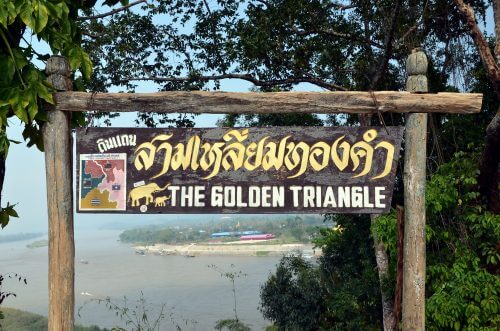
(237, 170)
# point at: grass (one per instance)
(18, 320)
(38, 244)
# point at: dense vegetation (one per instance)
(462, 265)
(339, 292)
(286, 230)
(462, 249)
(18, 320)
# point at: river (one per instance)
(195, 295)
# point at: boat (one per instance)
(266, 236)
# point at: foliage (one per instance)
(18, 320)
(462, 249)
(38, 244)
(231, 324)
(23, 85)
(349, 268)
(149, 235)
(286, 229)
(6, 294)
(293, 296)
(6, 213)
(140, 317)
(341, 292)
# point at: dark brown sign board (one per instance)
(237, 170)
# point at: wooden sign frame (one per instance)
(59, 154)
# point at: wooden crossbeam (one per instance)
(270, 103)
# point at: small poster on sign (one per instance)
(103, 182)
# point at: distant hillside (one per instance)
(19, 237)
(18, 320)
(287, 229)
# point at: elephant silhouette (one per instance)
(145, 191)
(160, 201)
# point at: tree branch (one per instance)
(413, 28)
(112, 12)
(337, 34)
(389, 37)
(482, 46)
(247, 77)
(490, 160)
(496, 15)
(341, 6)
(93, 35)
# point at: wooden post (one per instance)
(414, 199)
(58, 164)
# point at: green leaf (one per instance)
(41, 18)
(8, 69)
(10, 211)
(20, 113)
(78, 119)
(86, 66)
(26, 14)
(4, 219)
(12, 11)
(4, 15)
(75, 57)
(20, 58)
(32, 110)
(43, 93)
(55, 11)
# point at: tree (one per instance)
(462, 249)
(292, 297)
(490, 160)
(23, 86)
(340, 292)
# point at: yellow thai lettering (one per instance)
(291, 158)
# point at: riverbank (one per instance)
(20, 320)
(186, 286)
(249, 248)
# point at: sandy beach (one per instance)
(235, 248)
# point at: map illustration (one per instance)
(103, 182)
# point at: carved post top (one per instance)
(416, 66)
(59, 71)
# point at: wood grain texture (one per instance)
(269, 103)
(413, 303)
(414, 230)
(58, 164)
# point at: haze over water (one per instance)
(190, 289)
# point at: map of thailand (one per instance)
(103, 181)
